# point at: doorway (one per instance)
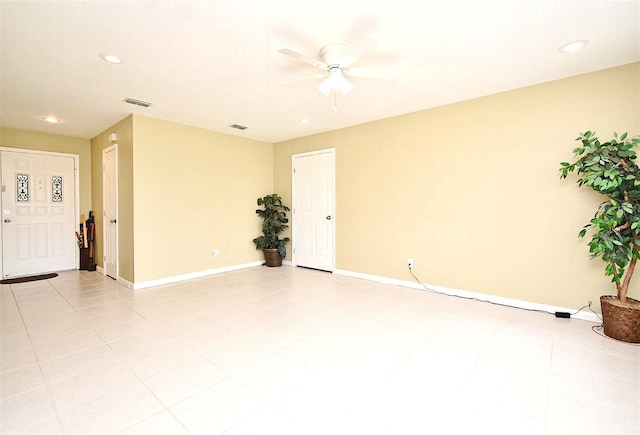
(39, 212)
(313, 225)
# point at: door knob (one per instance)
(113, 221)
(6, 221)
(328, 218)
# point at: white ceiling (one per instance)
(215, 63)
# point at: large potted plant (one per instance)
(610, 169)
(274, 221)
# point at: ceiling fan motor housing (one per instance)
(332, 54)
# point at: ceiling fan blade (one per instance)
(316, 76)
(362, 49)
(304, 58)
(361, 29)
(370, 73)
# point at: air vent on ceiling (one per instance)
(238, 126)
(137, 102)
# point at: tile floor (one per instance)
(307, 352)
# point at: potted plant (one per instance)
(274, 221)
(610, 169)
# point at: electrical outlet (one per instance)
(409, 263)
(216, 252)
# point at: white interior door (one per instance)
(110, 214)
(313, 209)
(38, 213)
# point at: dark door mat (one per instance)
(28, 278)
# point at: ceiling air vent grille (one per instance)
(238, 126)
(137, 102)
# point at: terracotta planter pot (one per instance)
(621, 320)
(272, 257)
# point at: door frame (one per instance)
(114, 148)
(76, 191)
(294, 194)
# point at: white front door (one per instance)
(38, 213)
(313, 209)
(110, 215)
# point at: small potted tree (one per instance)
(274, 221)
(610, 169)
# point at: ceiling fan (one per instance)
(335, 64)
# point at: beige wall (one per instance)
(124, 134)
(471, 190)
(194, 191)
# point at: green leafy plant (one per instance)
(274, 221)
(610, 169)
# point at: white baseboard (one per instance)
(124, 282)
(127, 284)
(188, 276)
(515, 303)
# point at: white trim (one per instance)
(313, 153)
(30, 151)
(120, 280)
(515, 303)
(127, 284)
(188, 276)
(76, 176)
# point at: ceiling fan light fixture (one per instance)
(325, 87)
(336, 81)
(346, 86)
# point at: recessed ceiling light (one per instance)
(51, 119)
(573, 46)
(303, 121)
(111, 58)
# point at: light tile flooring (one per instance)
(295, 351)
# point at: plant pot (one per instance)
(621, 320)
(272, 257)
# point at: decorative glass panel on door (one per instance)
(22, 187)
(56, 188)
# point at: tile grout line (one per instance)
(44, 378)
